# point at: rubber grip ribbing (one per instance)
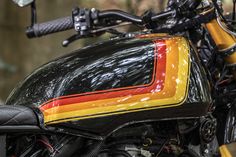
(50, 27)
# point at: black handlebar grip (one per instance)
(50, 27)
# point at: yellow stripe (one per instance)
(104, 109)
(224, 151)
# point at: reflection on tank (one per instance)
(140, 76)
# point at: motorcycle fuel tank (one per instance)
(105, 86)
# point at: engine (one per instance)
(148, 140)
(154, 139)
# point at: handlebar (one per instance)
(80, 25)
(120, 15)
(66, 23)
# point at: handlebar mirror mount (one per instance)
(23, 3)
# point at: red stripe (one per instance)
(157, 85)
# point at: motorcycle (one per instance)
(167, 90)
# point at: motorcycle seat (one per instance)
(15, 118)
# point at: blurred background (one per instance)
(19, 56)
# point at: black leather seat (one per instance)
(17, 116)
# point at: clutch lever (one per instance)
(75, 37)
(71, 39)
(82, 24)
(84, 21)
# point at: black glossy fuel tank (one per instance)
(102, 87)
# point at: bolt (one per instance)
(93, 10)
(95, 21)
(206, 151)
(76, 19)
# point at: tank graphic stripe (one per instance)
(168, 88)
